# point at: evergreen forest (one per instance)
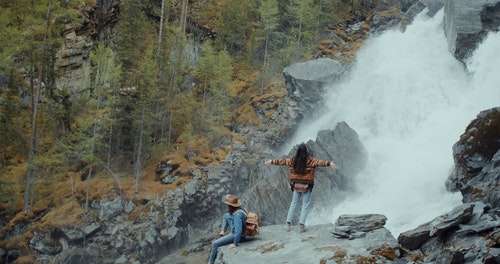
(165, 81)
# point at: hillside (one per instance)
(129, 98)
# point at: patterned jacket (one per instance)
(308, 177)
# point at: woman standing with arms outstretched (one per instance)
(302, 168)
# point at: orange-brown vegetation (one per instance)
(247, 113)
(482, 140)
(385, 251)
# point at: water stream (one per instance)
(409, 100)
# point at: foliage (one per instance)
(133, 29)
(11, 126)
(235, 24)
(214, 75)
(145, 95)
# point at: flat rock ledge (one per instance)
(469, 233)
(326, 243)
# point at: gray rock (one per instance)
(129, 206)
(347, 232)
(477, 160)
(109, 209)
(73, 234)
(345, 148)
(413, 239)
(74, 255)
(433, 6)
(493, 257)
(74, 54)
(460, 214)
(91, 229)
(448, 256)
(484, 225)
(362, 222)
(306, 81)
(322, 70)
(404, 5)
(467, 23)
(316, 245)
(44, 246)
(413, 11)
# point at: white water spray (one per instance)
(409, 100)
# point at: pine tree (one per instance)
(11, 138)
(185, 107)
(214, 76)
(132, 30)
(303, 20)
(233, 25)
(89, 143)
(31, 35)
(143, 113)
(172, 62)
(35, 97)
(269, 23)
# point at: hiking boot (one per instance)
(287, 226)
(302, 228)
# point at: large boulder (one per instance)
(477, 160)
(468, 22)
(271, 195)
(433, 6)
(306, 82)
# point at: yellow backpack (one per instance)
(251, 224)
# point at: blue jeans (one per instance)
(225, 240)
(306, 200)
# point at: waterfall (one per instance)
(409, 100)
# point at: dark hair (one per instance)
(232, 209)
(300, 160)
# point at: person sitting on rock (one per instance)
(301, 181)
(235, 220)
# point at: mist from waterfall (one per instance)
(409, 100)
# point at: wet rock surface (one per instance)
(477, 160)
(468, 22)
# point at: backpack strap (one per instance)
(243, 211)
(243, 231)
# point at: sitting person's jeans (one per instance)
(225, 240)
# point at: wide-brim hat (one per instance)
(232, 200)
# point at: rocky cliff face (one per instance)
(74, 55)
(477, 160)
(468, 22)
(305, 82)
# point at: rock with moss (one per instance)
(477, 160)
